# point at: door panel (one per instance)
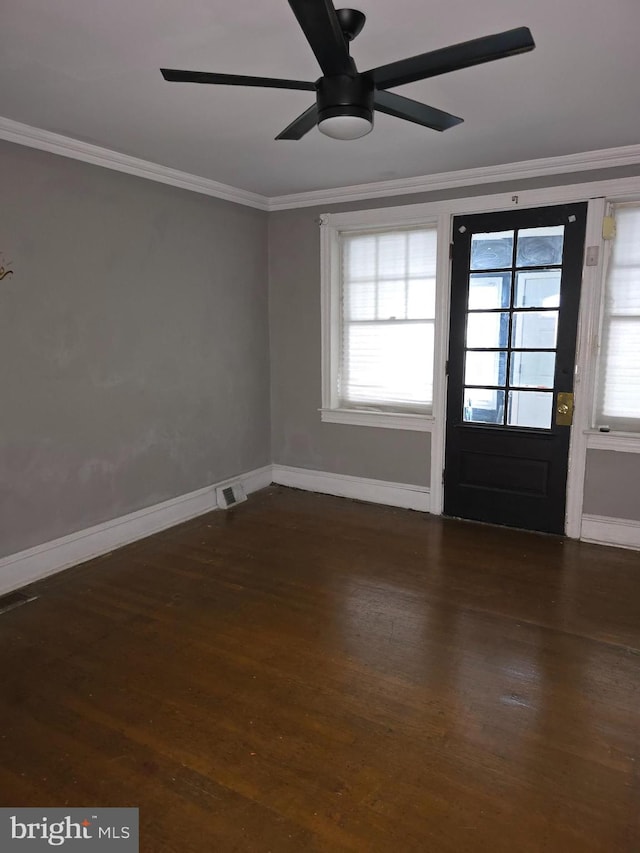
(514, 313)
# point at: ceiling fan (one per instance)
(345, 98)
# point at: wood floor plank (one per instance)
(306, 673)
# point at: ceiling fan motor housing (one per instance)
(343, 95)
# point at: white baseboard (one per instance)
(25, 567)
(360, 488)
(603, 530)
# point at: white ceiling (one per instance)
(89, 70)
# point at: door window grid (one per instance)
(511, 329)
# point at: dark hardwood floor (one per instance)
(306, 673)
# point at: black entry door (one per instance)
(514, 314)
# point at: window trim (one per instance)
(620, 442)
(384, 420)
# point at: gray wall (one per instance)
(135, 356)
(612, 484)
(134, 346)
(299, 438)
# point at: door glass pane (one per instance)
(538, 289)
(492, 251)
(486, 329)
(532, 369)
(489, 291)
(483, 405)
(534, 329)
(530, 409)
(539, 247)
(485, 368)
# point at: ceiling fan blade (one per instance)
(322, 29)
(173, 75)
(303, 124)
(453, 58)
(396, 105)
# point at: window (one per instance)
(618, 396)
(512, 326)
(381, 335)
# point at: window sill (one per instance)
(622, 442)
(383, 420)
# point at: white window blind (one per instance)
(387, 320)
(618, 398)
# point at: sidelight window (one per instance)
(618, 393)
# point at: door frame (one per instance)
(596, 195)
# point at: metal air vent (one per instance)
(230, 495)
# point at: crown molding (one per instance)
(65, 146)
(607, 158)
(55, 143)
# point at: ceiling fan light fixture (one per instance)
(345, 123)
